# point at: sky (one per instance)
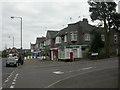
(38, 17)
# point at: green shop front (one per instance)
(65, 52)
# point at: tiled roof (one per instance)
(85, 27)
(40, 39)
(51, 33)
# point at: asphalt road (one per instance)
(51, 74)
(6, 71)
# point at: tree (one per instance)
(114, 21)
(96, 43)
(102, 11)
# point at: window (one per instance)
(74, 36)
(102, 37)
(115, 38)
(48, 42)
(87, 37)
(58, 39)
(65, 38)
(44, 43)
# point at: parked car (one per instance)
(12, 61)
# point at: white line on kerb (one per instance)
(15, 77)
(58, 72)
(13, 83)
(11, 86)
(6, 80)
(86, 68)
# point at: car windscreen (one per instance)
(10, 59)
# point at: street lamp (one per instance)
(21, 28)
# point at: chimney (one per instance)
(85, 20)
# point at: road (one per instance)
(52, 74)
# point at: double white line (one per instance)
(14, 81)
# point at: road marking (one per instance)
(13, 83)
(9, 76)
(53, 84)
(71, 71)
(58, 72)
(15, 77)
(12, 86)
(68, 78)
(1, 88)
(6, 80)
(87, 68)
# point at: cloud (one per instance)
(38, 17)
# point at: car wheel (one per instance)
(16, 65)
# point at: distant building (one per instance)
(37, 47)
(13, 51)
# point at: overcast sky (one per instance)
(38, 17)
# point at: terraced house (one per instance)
(73, 42)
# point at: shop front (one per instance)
(70, 53)
(54, 53)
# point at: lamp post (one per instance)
(20, 27)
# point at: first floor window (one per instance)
(87, 36)
(65, 38)
(115, 38)
(102, 37)
(58, 39)
(74, 36)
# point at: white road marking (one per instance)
(14, 80)
(13, 83)
(6, 80)
(53, 84)
(71, 71)
(12, 86)
(58, 72)
(86, 68)
(9, 76)
(1, 88)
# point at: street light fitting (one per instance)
(12, 17)
(16, 17)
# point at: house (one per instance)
(37, 47)
(13, 52)
(73, 42)
(49, 42)
(75, 39)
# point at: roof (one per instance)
(40, 39)
(85, 27)
(62, 32)
(51, 33)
